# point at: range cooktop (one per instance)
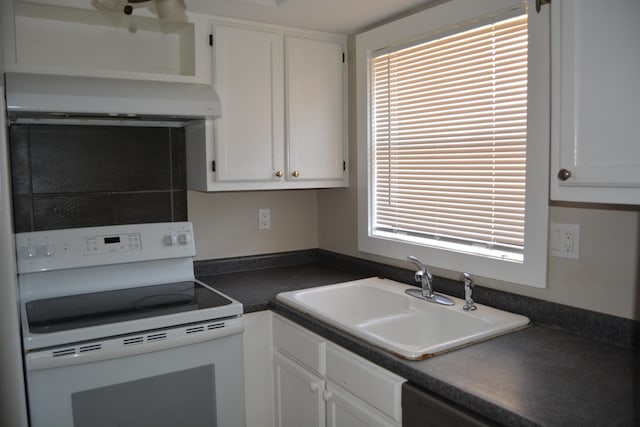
(99, 308)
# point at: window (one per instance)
(452, 163)
(449, 128)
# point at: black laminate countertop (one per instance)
(533, 377)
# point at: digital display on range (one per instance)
(108, 240)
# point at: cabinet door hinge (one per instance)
(210, 39)
(540, 3)
(213, 166)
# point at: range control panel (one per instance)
(94, 246)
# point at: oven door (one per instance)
(187, 376)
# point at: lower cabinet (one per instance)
(295, 378)
(344, 409)
(320, 384)
(298, 394)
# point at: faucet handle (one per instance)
(423, 268)
(418, 276)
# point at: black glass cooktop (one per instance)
(99, 308)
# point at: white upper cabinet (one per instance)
(315, 91)
(283, 96)
(595, 101)
(59, 39)
(248, 78)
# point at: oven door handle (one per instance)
(131, 345)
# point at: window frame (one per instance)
(532, 270)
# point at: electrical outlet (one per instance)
(565, 240)
(264, 219)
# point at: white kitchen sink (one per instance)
(379, 312)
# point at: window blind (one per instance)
(449, 131)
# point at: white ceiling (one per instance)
(336, 16)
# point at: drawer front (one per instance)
(371, 383)
(301, 345)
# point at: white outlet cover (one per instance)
(558, 234)
(264, 219)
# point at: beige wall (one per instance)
(605, 278)
(226, 224)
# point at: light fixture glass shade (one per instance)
(171, 9)
(108, 5)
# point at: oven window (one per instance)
(183, 398)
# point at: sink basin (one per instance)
(379, 312)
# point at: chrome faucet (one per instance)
(426, 280)
(423, 276)
(468, 289)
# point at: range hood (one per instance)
(44, 98)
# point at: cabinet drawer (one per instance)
(301, 345)
(371, 383)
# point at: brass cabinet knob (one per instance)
(279, 174)
(295, 174)
(564, 174)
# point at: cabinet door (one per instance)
(370, 383)
(249, 137)
(298, 395)
(345, 410)
(596, 99)
(315, 109)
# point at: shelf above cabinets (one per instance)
(283, 123)
(56, 39)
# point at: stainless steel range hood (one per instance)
(40, 98)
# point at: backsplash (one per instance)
(596, 326)
(82, 176)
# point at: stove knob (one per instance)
(31, 251)
(184, 239)
(170, 240)
(47, 250)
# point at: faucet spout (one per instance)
(417, 262)
(423, 275)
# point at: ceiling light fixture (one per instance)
(172, 10)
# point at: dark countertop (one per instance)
(254, 289)
(534, 377)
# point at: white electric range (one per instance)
(117, 330)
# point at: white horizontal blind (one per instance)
(449, 128)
